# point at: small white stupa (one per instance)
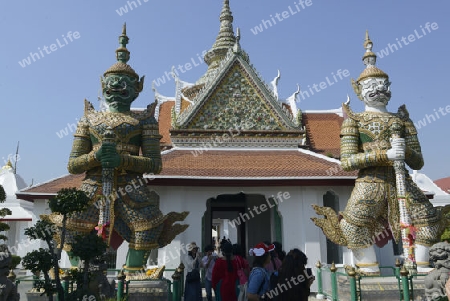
(22, 211)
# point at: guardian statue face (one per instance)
(119, 91)
(375, 91)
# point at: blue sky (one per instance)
(306, 43)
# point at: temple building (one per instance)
(21, 216)
(245, 164)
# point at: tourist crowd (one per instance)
(273, 274)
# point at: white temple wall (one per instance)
(298, 231)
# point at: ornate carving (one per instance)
(436, 279)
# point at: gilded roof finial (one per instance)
(8, 165)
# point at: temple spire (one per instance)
(225, 39)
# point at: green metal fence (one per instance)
(175, 286)
(343, 284)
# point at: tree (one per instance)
(38, 261)
(44, 259)
(3, 213)
(66, 202)
(88, 248)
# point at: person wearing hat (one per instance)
(192, 263)
(259, 279)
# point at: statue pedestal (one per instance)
(144, 290)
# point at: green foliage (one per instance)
(69, 200)
(3, 213)
(15, 261)
(89, 246)
(38, 261)
(43, 230)
(2, 194)
(66, 202)
(446, 235)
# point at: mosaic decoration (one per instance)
(235, 103)
(122, 205)
(382, 192)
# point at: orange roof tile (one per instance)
(249, 164)
(165, 121)
(323, 132)
(53, 186)
(221, 164)
(443, 184)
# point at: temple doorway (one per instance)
(242, 218)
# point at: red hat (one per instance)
(261, 249)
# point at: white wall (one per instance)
(298, 231)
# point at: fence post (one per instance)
(334, 293)
(405, 283)
(181, 270)
(17, 283)
(398, 264)
(176, 286)
(169, 289)
(65, 283)
(353, 293)
(120, 285)
(319, 294)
